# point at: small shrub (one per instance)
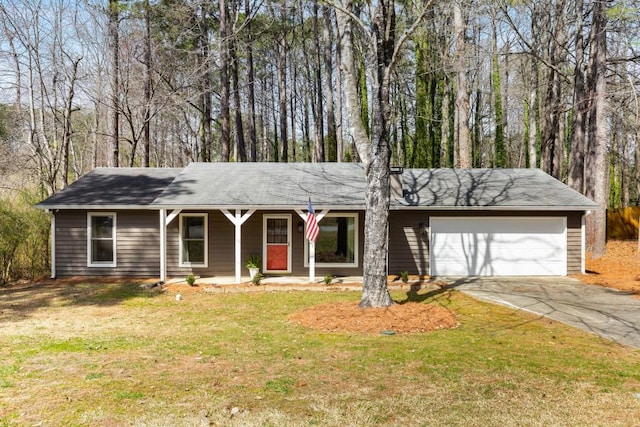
(256, 279)
(191, 279)
(253, 261)
(404, 276)
(327, 279)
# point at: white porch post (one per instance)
(163, 245)
(164, 223)
(312, 262)
(237, 220)
(312, 245)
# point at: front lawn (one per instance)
(117, 354)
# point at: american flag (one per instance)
(312, 224)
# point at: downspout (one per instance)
(163, 245)
(53, 243)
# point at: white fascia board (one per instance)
(492, 208)
(392, 207)
(96, 207)
(261, 207)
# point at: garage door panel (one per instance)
(498, 246)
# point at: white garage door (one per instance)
(498, 246)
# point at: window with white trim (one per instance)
(193, 240)
(101, 239)
(337, 242)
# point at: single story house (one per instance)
(208, 218)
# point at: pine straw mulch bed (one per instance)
(397, 319)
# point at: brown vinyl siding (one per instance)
(574, 243)
(137, 239)
(408, 242)
(71, 244)
(221, 234)
(138, 243)
(409, 235)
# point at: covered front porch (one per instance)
(214, 243)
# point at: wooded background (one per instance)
(552, 84)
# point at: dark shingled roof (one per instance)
(113, 187)
(525, 189)
(272, 185)
(329, 185)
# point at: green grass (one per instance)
(120, 355)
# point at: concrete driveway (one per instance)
(602, 311)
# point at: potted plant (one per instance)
(253, 264)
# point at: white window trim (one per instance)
(264, 241)
(206, 241)
(356, 243)
(90, 262)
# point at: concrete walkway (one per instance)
(606, 312)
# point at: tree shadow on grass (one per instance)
(441, 289)
(20, 300)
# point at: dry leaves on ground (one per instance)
(619, 268)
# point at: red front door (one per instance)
(277, 243)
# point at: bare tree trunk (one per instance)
(560, 139)
(204, 86)
(328, 75)
(114, 50)
(375, 292)
(318, 148)
(146, 137)
(282, 86)
(356, 129)
(552, 138)
(305, 131)
(376, 151)
(499, 145)
(463, 142)
(293, 101)
(445, 127)
(67, 123)
(580, 108)
(240, 149)
(597, 166)
(251, 101)
(533, 93)
(225, 86)
(339, 136)
(533, 111)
